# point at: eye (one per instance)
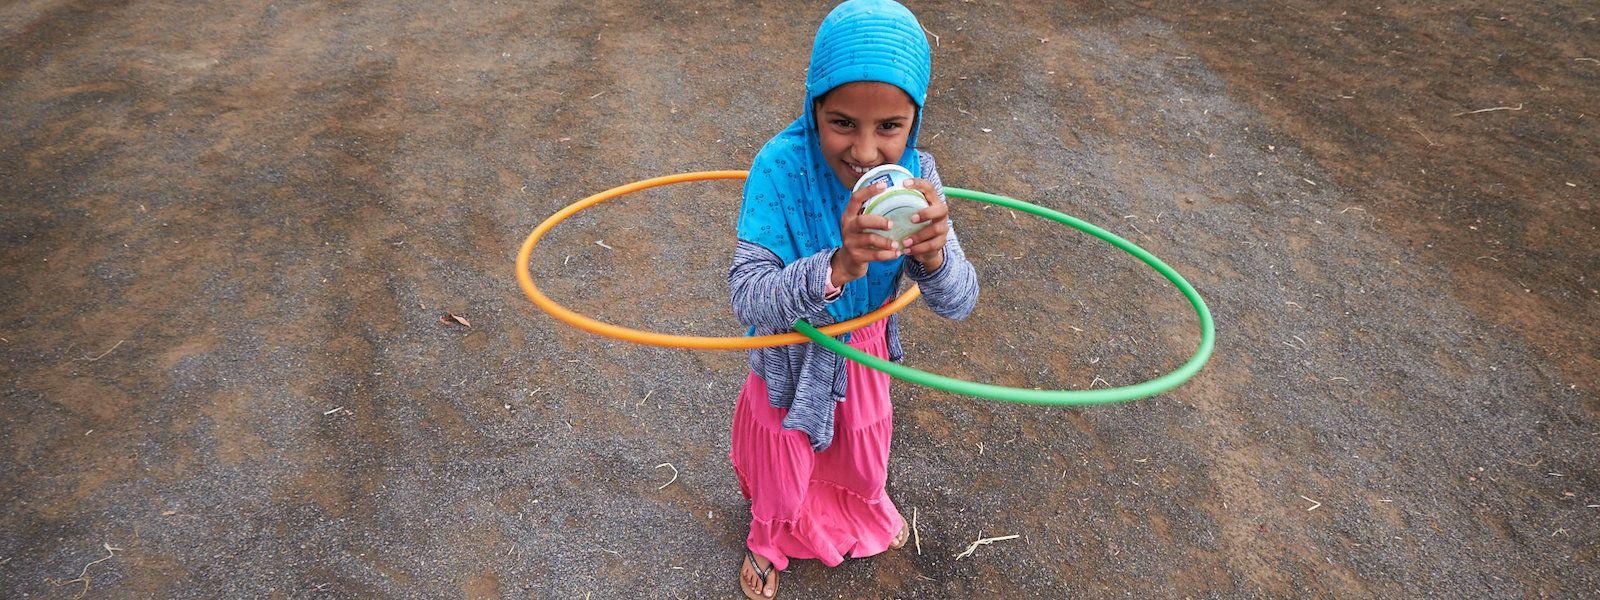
(890, 126)
(843, 123)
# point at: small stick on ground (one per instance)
(916, 538)
(674, 475)
(646, 397)
(83, 575)
(982, 542)
(103, 354)
(1484, 110)
(1314, 502)
(1424, 135)
(329, 412)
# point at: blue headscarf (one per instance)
(792, 199)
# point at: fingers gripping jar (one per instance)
(897, 203)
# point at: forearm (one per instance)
(950, 287)
(767, 293)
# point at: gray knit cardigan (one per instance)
(806, 378)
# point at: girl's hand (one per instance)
(860, 248)
(927, 244)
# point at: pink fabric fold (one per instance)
(823, 505)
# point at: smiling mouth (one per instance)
(859, 171)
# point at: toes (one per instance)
(752, 581)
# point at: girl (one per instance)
(811, 431)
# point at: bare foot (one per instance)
(900, 540)
(757, 577)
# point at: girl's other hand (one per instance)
(927, 244)
(860, 248)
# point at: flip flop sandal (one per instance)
(900, 540)
(760, 573)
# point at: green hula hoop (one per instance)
(1046, 397)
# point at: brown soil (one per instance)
(230, 230)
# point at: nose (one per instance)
(863, 152)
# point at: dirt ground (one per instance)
(229, 231)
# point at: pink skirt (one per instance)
(823, 505)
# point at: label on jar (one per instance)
(891, 175)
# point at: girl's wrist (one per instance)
(932, 261)
(838, 269)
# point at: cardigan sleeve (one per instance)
(767, 293)
(951, 291)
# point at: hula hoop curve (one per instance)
(1047, 397)
(525, 280)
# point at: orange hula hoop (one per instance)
(525, 280)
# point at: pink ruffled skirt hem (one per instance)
(823, 505)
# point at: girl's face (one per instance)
(863, 124)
